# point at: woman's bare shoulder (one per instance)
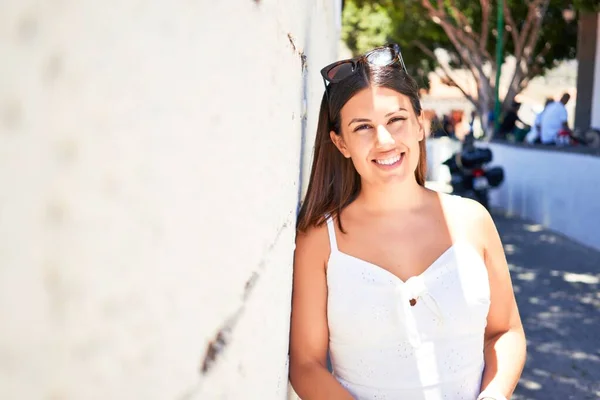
(312, 245)
(467, 216)
(467, 209)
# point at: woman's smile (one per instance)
(389, 162)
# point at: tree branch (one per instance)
(461, 19)
(465, 46)
(532, 16)
(448, 74)
(449, 81)
(525, 82)
(534, 33)
(466, 36)
(536, 65)
(485, 24)
(514, 29)
(528, 38)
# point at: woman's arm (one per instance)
(309, 335)
(505, 346)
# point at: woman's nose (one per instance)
(384, 137)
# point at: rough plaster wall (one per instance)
(149, 172)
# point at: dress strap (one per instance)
(331, 229)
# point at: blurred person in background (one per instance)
(448, 126)
(472, 123)
(491, 121)
(534, 135)
(436, 127)
(554, 121)
(407, 289)
(509, 123)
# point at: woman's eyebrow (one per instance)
(354, 120)
(358, 120)
(400, 109)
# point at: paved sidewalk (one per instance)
(557, 283)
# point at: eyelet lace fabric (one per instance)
(421, 339)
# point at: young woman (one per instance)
(407, 289)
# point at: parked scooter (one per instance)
(470, 176)
(588, 138)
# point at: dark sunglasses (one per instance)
(380, 56)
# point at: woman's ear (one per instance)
(338, 140)
(421, 121)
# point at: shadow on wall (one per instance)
(557, 286)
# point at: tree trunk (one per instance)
(483, 109)
(485, 104)
(513, 90)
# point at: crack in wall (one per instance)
(303, 63)
(220, 342)
(222, 339)
(217, 346)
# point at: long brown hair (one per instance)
(334, 182)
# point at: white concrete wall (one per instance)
(595, 117)
(556, 189)
(150, 160)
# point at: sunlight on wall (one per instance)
(150, 162)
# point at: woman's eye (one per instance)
(361, 128)
(396, 119)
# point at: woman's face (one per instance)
(380, 132)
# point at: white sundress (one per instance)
(416, 340)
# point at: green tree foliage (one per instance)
(538, 33)
(587, 5)
(401, 25)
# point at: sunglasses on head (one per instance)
(380, 57)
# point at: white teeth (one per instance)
(388, 161)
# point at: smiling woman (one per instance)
(382, 130)
(411, 294)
